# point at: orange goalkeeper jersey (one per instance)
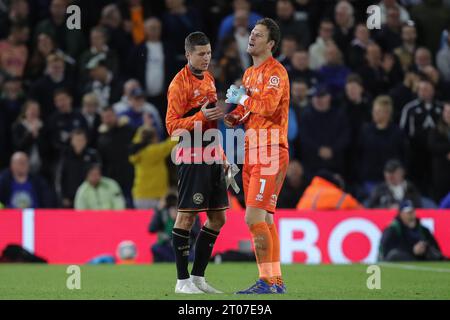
(185, 97)
(267, 105)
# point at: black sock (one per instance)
(180, 242)
(203, 249)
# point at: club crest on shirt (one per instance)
(274, 82)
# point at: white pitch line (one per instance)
(413, 267)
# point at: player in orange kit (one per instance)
(263, 106)
(201, 185)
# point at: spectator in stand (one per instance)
(294, 186)
(55, 77)
(90, 108)
(405, 52)
(229, 64)
(74, 164)
(379, 142)
(334, 73)
(226, 25)
(20, 189)
(28, 135)
(178, 21)
(103, 82)
(323, 149)
(422, 59)
(45, 45)
(70, 41)
(118, 40)
(113, 142)
(148, 155)
(357, 51)
(317, 49)
(379, 74)
(403, 93)
(385, 5)
(18, 12)
(98, 45)
(326, 192)
(135, 12)
(345, 26)
(439, 144)
(14, 52)
(356, 105)
(431, 17)
(290, 25)
(406, 239)
(12, 98)
(394, 189)
(63, 121)
(300, 68)
(98, 192)
(288, 47)
(136, 109)
(390, 37)
(124, 102)
(443, 59)
(418, 118)
(152, 64)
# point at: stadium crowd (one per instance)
(82, 111)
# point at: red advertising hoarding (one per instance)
(64, 236)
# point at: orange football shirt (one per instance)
(267, 106)
(187, 93)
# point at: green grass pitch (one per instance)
(156, 281)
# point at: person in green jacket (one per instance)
(99, 193)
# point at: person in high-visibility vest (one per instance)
(325, 192)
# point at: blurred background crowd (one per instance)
(82, 111)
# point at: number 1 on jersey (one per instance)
(263, 185)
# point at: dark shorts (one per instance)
(201, 187)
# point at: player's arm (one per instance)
(176, 102)
(267, 103)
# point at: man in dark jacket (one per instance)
(323, 149)
(394, 189)
(20, 189)
(407, 240)
(113, 142)
(75, 162)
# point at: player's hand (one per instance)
(211, 114)
(231, 120)
(234, 94)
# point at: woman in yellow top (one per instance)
(148, 155)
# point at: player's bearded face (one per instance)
(200, 57)
(258, 41)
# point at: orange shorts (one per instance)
(263, 179)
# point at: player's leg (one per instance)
(181, 246)
(276, 265)
(218, 202)
(204, 247)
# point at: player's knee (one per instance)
(217, 220)
(184, 221)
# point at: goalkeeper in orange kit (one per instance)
(263, 106)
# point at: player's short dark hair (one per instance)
(274, 31)
(195, 39)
